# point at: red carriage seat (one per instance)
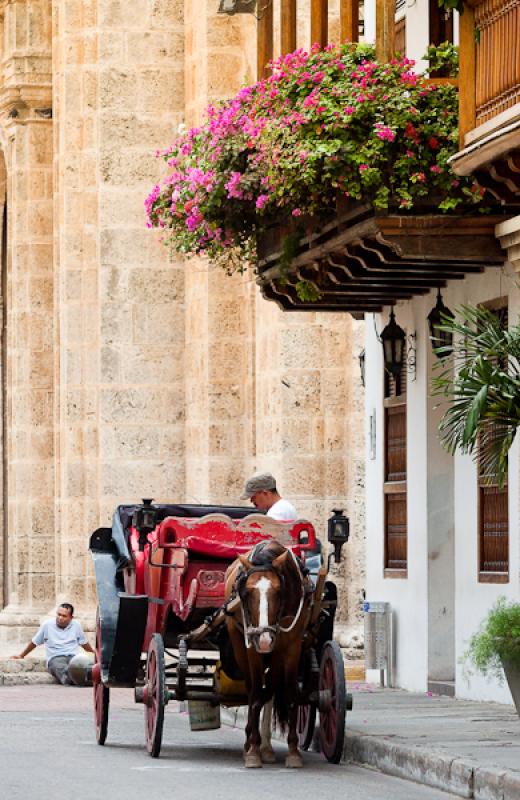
(218, 536)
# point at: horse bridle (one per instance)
(251, 631)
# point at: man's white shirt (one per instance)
(60, 641)
(283, 511)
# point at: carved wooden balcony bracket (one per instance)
(364, 261)
(495, 162)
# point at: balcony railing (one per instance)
(489, 61)
(319, 17)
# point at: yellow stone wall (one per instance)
(126, 371)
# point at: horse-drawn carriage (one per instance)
(190, 596)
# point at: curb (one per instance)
(463, 778)
(24, 672)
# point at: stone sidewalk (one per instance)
(467, 748)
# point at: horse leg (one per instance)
(252, 759)
(294, 759)
(266, 749)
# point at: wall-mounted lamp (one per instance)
(231, 7)
(393, 339)
(338, 531)
(361, 359)
(442, 340)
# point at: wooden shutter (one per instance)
(395, 511)
(493, 511)
(400, 36)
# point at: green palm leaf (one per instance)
(481, 389)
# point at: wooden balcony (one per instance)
(490, 98)
(361, 261)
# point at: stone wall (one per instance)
(128, 371)
(28, 346)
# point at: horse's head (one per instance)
(261, 587)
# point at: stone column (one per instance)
(25, 106)
(120, 91)
(310, 427)
(220, 57)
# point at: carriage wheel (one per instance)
(305, 725)
(101, 692)
(154, 695)
(333, 702)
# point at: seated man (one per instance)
(63, 637)
(261, 490)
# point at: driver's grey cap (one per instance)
(262, 482)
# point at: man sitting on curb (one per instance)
(62, 638)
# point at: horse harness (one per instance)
(240, 588)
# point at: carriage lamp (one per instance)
(144, 520)
(338, 531)
(393, 339)
(442, 340)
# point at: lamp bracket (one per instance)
(411, 355)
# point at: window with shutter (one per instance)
(395, 520)
(493, 509)
(400, 35)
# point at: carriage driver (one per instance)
(63, 637)
(261, 490)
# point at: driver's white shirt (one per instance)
(283, 511)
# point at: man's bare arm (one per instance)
(30, 647)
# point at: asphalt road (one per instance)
(48, 751)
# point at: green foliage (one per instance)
(452, 5)
(443, 59)
(307, 292)
(482, 388)
(497, 639)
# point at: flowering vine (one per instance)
(327, 123)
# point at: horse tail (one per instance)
(280, 708)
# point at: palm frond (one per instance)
(481, 389)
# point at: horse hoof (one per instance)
(252, 761)
(294, 761)
(267, 755)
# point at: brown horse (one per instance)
(266, 634)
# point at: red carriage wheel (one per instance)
(332, 703)
(101, 692)
(305, 725)
(154, 695)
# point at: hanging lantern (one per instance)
(442, 340)
(393, 339)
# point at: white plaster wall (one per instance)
(473, 599)
(409, 597)
(417, 32)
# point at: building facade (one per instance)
(442, 545)
(127, 372)
(458, 540)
